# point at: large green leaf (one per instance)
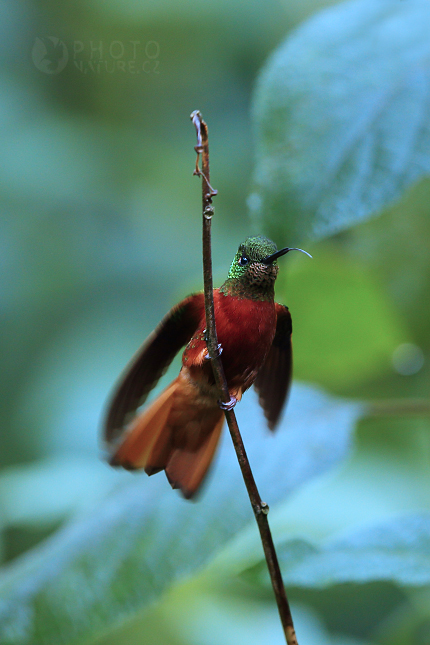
(345, 327)
(142, 539)
(396, 551)
(342, 114)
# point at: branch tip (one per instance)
(202, 148)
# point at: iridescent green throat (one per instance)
(257, 284)
(250, 275)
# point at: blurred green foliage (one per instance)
(100, 235)
(342, 112)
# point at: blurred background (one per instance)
(100, 235)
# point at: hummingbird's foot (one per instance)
(228, 406)
(218, 353)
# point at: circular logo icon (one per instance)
(49, 54)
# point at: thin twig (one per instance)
(260, 508)
(398, 408)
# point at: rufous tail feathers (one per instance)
(178, 433)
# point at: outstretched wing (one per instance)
(151, 361)
(274, 378)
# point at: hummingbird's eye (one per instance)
(243, 260)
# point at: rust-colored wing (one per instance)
(151, 361)
(274, 378)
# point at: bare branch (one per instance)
(260, 508)
(397, 408)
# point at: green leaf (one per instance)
(52, 496)
(397, 551)
(198, 615)
(342, 113)
(345, 327)
(144, 538)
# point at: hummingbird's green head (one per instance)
(254, 268)
(248, 265)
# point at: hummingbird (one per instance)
(180, 430)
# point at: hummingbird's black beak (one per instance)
(270, 258)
